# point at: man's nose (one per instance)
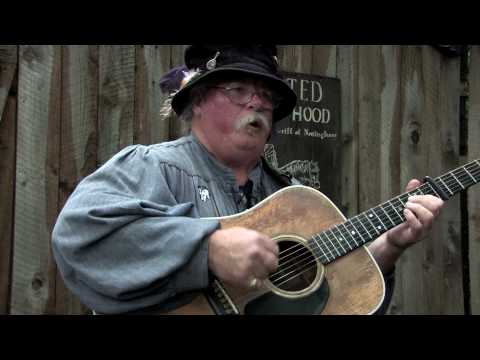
(256, 102)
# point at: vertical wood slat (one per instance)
(116, 99)
(405, 299)
(7, 187)
(446, 296)
(474, 194)
(378, 126)
(429, 274)
(153, 61)
(378, 123)
(8, 67)
(347, 72)
(324, 60)
(295, 58)
(36, 191)
(78, 153)
(369, 126)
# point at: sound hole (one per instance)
(297, 267)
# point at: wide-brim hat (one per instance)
(259, 61)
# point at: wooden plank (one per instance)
(447, 293)
(177, 128)
(295, 58)
(152, 62)
(410, 288)
(369, 126)
(429, 278)
(347, 72)
(7, 188)
(378, 117)
(78, 153)
(474, 194)
(324, 60)
(36, 190)
(378, 124)
(116, 99)
(8, 67)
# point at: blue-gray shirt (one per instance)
(133, 233)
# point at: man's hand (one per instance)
(420, 211)
(239, 255)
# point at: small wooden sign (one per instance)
(307, 144)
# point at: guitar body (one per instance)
(352, 284)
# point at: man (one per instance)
(135, 234)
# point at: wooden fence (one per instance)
(66, 109)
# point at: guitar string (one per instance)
(389, 211)
(308, 252)
(299, 247)
(300, 254)
(453, 183)
(314, 261)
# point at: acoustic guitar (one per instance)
(324, 265)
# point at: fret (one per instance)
(394, 209)
(344, 250)
(319, 247)
(399, 209)
(428, 189)
(334, 247)
(401, 200)
(361, 223)
(453, 184)
(443, 182)
(318, 251)
(414, 192)
(356, 231)
(453, 174)
(435, 191)
(352, 234)
(328, 238)
(370, 218)
(386, 213)
(341, 235)
(478, 163)
(349, 245)
(468, 172)
(327, 247)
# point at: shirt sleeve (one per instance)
(122, 242)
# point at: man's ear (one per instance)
(197, 110)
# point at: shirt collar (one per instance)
(219, 170)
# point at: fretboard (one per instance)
(339, 240)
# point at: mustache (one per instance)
(253, 117)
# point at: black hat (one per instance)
(208, 61)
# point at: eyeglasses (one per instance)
(242, 95)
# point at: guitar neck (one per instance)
(362, 228)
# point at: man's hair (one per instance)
(197, 95)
